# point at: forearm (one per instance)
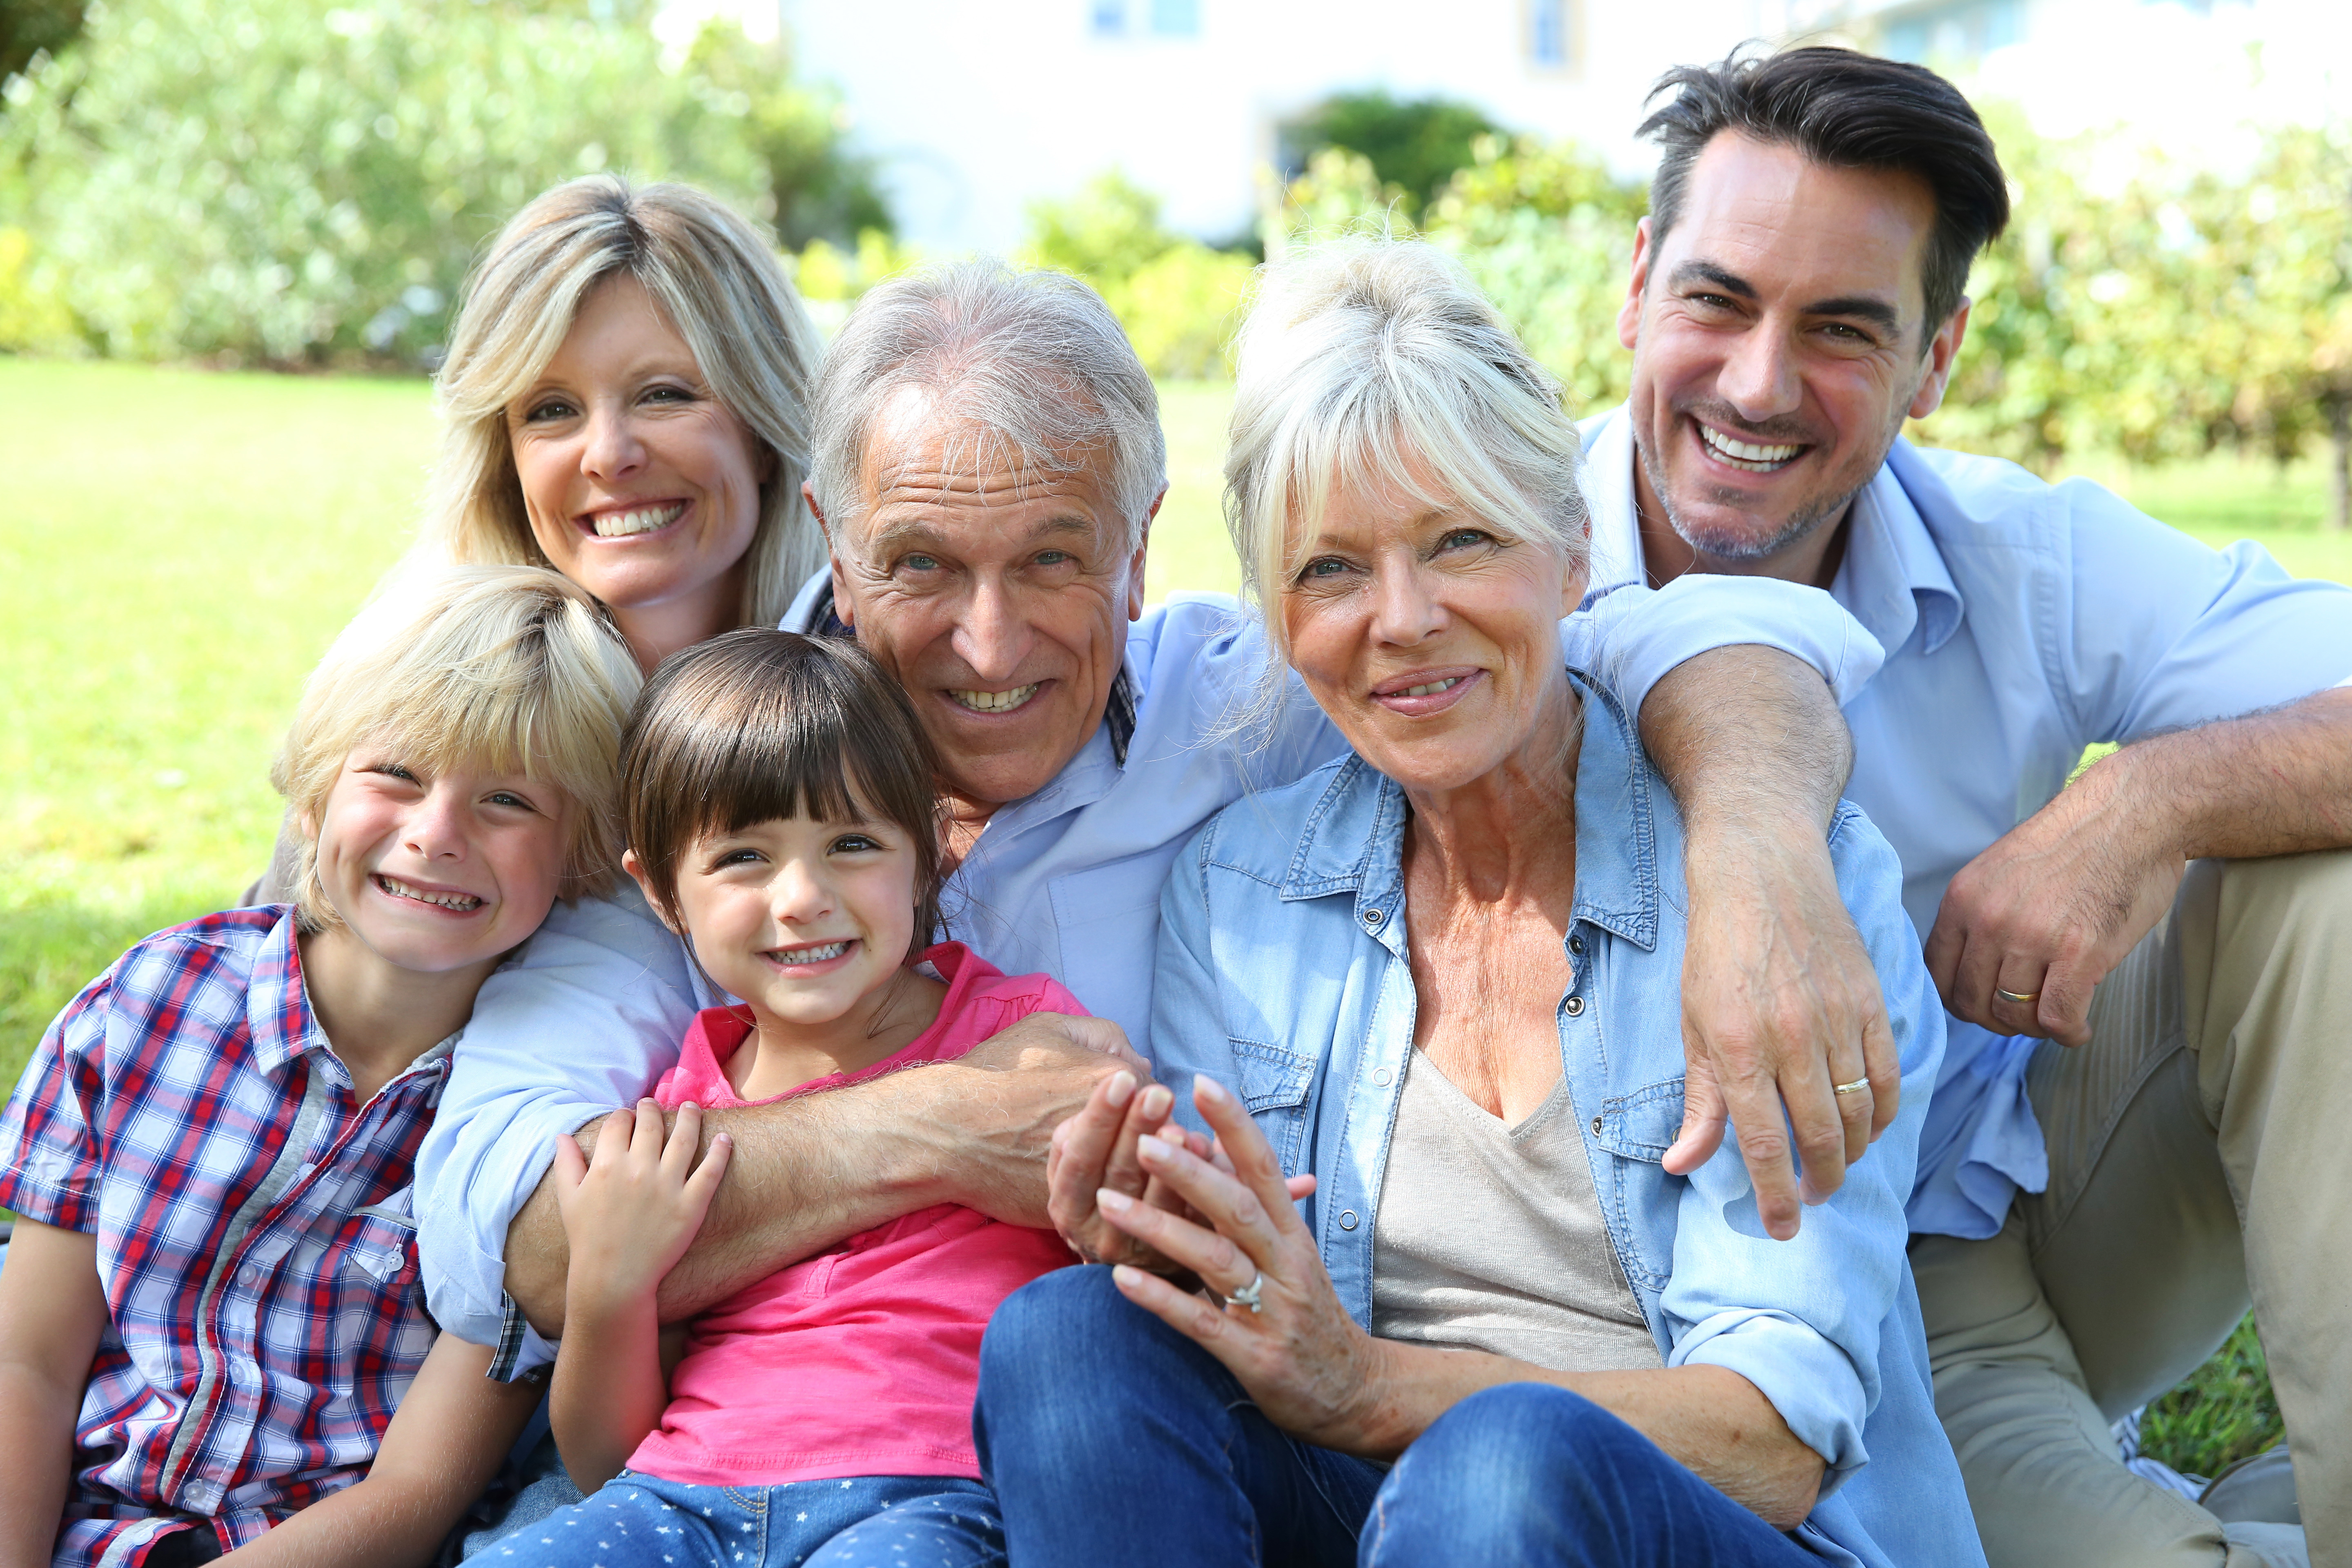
(1750, 739)
(36, 1425)
(1712, 1421)
(609, 1389)
(2274, 784)
(806, 1173)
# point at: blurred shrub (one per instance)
(817, 188)
(291, 183)
(32, 317)
(1545, 230)
(30, 27)
(830, 278)
(1414, 145)
(1179, 300)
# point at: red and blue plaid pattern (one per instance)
(254, 1235)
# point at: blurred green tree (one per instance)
(1178, 299)
(28, 28)
(1414, 145)
(304, 183)
(817, 187)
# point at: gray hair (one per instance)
(1373, 361)
(1033, 363)
(714, 279)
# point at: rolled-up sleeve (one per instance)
(583, 1020)
(1630, 637)
(1802, 1319)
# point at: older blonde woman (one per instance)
(1432, 991)
(625, 400)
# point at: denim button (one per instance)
(1576, 944)
(1596, 1127)
(1381, 1077)
(1347, 1219)
(1576, 1006)
(1374, 917)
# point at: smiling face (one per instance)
(808, 921)
(998, 599)
(1777, 332)
(640, 485)
(434, 872)
(1431, 640)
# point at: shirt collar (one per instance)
(1893, 577)
(813, 613)
(1354, 836)
(278, 1016)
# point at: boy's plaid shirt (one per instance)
(253, 1231)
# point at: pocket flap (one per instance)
(1642, 1125)
(1270, 1076)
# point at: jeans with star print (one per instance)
(638, 1520)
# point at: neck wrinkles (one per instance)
(1507, 834)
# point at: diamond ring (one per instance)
(1251, 1295)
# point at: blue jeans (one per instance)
(870, 1521)
(1108, 1437)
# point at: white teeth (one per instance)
(644, 520)
(1434, 687)
(1745, 454)
(400, 889)
(996, 702)
(818, 954)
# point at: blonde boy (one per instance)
(210, 1308)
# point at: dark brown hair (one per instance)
(758, 726)
(1843, 110)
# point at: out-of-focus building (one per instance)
(976, 111)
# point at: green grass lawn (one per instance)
(184, 544)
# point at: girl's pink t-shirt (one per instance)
(862, 1361)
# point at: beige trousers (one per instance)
(2200, 1156)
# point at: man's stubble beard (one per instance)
(1745, 549)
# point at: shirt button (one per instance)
(1381, 1077)
(1576, 944)
(1374, 917)
(1347, 1219)
(1576, 1006)
(248, 1277)
(1596, 1127)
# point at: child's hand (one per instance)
(632, 1211)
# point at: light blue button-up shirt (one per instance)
(2021, 622)
(1284, 972)
(1066, 881)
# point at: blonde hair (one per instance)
(716, 280)
(1370, 363)
(503, 668)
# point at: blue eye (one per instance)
(920, 564)
(551, 409)
(1324, 567)
(1462, 538)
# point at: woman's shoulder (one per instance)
(1265, 831)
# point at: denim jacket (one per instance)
(1282, 971)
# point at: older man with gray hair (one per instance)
(989, 459)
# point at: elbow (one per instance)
(1786, 1493)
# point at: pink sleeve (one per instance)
(662, 1091)
(1023, 994)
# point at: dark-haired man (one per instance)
(2137, 1114)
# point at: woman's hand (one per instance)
(630, 1213)
(1303, 1359)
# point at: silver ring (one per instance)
(1856, 1087)
(2016, 998)
(1251, 1295)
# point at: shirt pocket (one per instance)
(379, 1321)
(1634, 1130)
(1273, 1084)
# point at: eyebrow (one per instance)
(1861, 307)
(892, 537)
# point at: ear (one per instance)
(636, 870)
(307, 825)
(841, 604)
(1134, 565)
(1943, 351)
(1629, 314)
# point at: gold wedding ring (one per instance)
(1856, 1087)
(2016, 998)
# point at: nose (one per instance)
(993, 633)
(801, 893)
(613, 449)
(1404, 611)
(435, 829)
(1759, 377)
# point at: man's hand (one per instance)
(1780, 1004)
(2050, 908)
(1012, 1093)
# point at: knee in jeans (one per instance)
(1523, 1444)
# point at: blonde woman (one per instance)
(625, 401)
